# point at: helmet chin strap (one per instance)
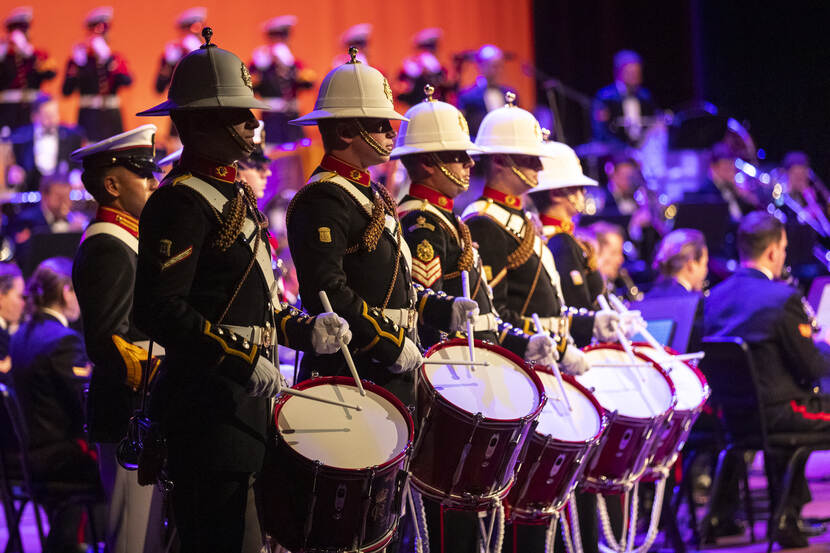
(464, 184)
(374, 144)
(577, 200)
(522, 177)
(243, 144)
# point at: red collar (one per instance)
(432, 196)
(563, 226)
(346, 170)
(224, 173)
(118, 217)
(505, 199)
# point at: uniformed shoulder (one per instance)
(172, 195)
(609, 92)
(420, 219)
(563, 242)
(102, 247)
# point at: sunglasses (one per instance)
(459, 156)
(377, 126)
(144, 168)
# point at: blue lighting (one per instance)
(762, 153)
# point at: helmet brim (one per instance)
(518, 150)
(456, 146)
(347, 113)
(545, 185)
(239, 102)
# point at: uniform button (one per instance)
(219, 331)
(245, 344)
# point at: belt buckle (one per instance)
(266, 335)
(411, 316)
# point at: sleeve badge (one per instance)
(426, 272)
(576, 277)
(324, 235)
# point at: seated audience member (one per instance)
(610, 258)
(721, 184)
(50, 369)
(11, 309)
(53, 213)
(769, 316)
(682, 262)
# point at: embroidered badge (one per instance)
(463, 123)
(177, 258)
(426, 273)
(355, 174)
(387, 89)
(221, 171)
(325, 235)
(421, 222)
(576, 277)
(805, 330)
(442, 201)
(246, 77)
(164, 247)
(425, 251)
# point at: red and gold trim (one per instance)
(802, 410)
(202, 166)
(431, 195)
(558, 224)
(346, 170)
(118, 217)
(508, 200)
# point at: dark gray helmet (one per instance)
(208, 78)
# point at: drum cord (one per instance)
(632, 518)
(656, 511)
(550, 536)
(422, 518)
(567, 537)
(630, 527)
(497, 524)
(419, 544)
(576, 531)
(605, 524)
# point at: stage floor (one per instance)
(818, 472)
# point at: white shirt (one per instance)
(683, 283)
(46, 150)
(57, 314)
(632, 114)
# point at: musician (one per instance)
(721, 185)
(119, 174)
(255, 170)
(12, 303)
(356, 36)
(189, 24)
(42, 148)
(53, 214)
(424, 68)
(769, 316)
(205, 292)
(278, 77)
(610, 240)
(97, 73)
(488, 91)
(23, 69)
(558, 198)
(50, 370)
(345, 237)
(622, 108)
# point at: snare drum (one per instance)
(692, 392)
(640, 398)
(473, 422)
(334, 481)
(556, 452)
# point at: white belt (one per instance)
(550, 324)
(263, 336)
(281, 104)
(158, 350)
(405, 318)
(485, 323)
(17, 95)
(99, 101)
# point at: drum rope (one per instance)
(411, 503)
(566, 535)
(500, 530)
(632, 519)
(422, 518)
(656, 511)
(576, 531)
(550, 536)
(496, 523)
(605, 524)
(625, 512)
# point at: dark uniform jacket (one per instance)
(580, 279)
(608, 113)
(770, 317)
(23, 72)
(511, 252)
(23, 146)
(335, 249)
(184, 283)
(104, 277)
(670, 288)
(442, 247)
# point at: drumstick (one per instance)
(453, 362)
(465, 288)
(621, 308)
(624, 342)
(306, 395)
(554, 366)
(618, 365)
(343, 348)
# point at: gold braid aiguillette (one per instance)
(521, 254)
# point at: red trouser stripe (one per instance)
(802, 410)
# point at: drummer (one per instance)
(433, 148)
(345, 237)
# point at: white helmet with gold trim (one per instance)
(510, 130)
(561, 168)
(353, 90)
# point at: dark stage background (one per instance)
(767, 66)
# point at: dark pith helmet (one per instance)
(208, 78)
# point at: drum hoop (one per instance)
(347, 381)
(704, 384)
(457, 500)
(650, 361)
(509, 355)
(601, 411)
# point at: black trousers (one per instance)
(216, 512)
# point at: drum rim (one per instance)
(521, 363)
(661, 370)
(700, 376)
(369, 386)
(602, 411)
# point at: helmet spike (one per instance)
(510, 98)
(429, 90)
(353, 54)
(207, 34)
(545, 134)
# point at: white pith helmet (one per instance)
(352, 90)
(561, 168)
(433, 126)
(510, 130)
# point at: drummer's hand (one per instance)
(604, 323)
(573, 361)
(409, 359)
(327, 333)
(631, 322)
(266, 380)
(540, 349)
(461, 309)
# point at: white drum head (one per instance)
(579, 425)
(501, 390)
(339, 437)
(687, 385)
(639, 392)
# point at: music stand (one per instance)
(45, 245)
(680, 310)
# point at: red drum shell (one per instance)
(483, 469)
(303, 495)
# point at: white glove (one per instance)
(574, 361)
(266, 380)
(21, 42)
(101, 48)
(541, 349)
(461, 309)
(631, 322)
(79, 54)
(409, 359)
(604, 322)
(327, 332)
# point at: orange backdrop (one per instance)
(142, 27)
